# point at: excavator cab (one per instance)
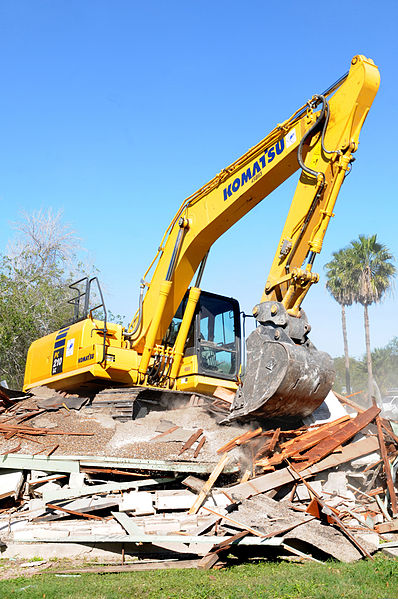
(214, 337)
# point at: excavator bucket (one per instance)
(283, 378)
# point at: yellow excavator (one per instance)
(185, 339)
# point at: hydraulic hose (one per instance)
(309, 133)
(325, 126)
(138, 324)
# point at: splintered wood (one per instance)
(387, 467)
(10, 429)
(294, 447)
(340, 436)
(239, 440)
(314, 445)
(192, 439)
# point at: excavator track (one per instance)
(129, 403)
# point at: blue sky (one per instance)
(115, 111)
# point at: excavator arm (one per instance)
(319, 138)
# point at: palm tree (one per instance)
(371, 272)
(339, 285)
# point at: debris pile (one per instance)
(80, 477)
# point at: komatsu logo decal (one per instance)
(86, 358)
(254, 172)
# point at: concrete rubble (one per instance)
(84, 478)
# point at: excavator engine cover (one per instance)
(283, 378)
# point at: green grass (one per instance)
(278, 580)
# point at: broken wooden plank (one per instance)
(371, 466)
(312, 433)
(228, 445)
(224, 394)
(47, 479)
(220, 406)
(52, 449)
(377, 491)
(72, 512)
(209, 560)
(262, 451)
(29, 430)
(170, 430)
(358, 491)
(387, 465)
(112, 471)
(43, 450)
(25, 417)
(383, 508)
(86, 509)
(384, 422)
(208, 484)
(345, 400)
(13, 450)
(228, 542)
(245, 476)
(387, 526)
(71, 463)
(302, 443)
(22, 436)
(175, 564)
(199, 447)
(274, 439)
(127, 523)
(194, 437)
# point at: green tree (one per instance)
(371, 271)
(358, 376)
(384, 366)
(34, 279)
(339, 285)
